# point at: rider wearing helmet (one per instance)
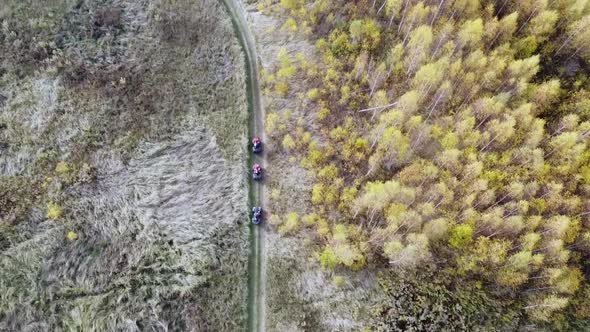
(256, 145)
(256, 172)
(256, 215)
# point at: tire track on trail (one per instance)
(257, 261)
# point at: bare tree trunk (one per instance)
(525, 23)
(377, 107)
(409, 30)
(401, 22)
(380, 8)
(570, 37)
(440, 4)
(502, 7)
(375, 83)
(540, 306)
(490, 142)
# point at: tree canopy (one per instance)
(456, 135)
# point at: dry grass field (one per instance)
(122, 149)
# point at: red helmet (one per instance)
(255, 140)
(256, 167)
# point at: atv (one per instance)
(256, 172)
(256, 215)
(256, 145)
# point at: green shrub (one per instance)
(461, 236)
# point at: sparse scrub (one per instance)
(72, 236)
(54, 211)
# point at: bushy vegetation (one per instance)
(423, 303)
(445, 133)
(119, 124)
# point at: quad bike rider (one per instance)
(256, 215)
(256, 145)
(256, 172)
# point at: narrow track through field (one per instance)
(257, 260)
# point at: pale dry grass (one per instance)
(162, 225)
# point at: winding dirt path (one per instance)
(257, 263)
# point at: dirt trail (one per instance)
(257, 266)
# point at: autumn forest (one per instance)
(445, 136)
